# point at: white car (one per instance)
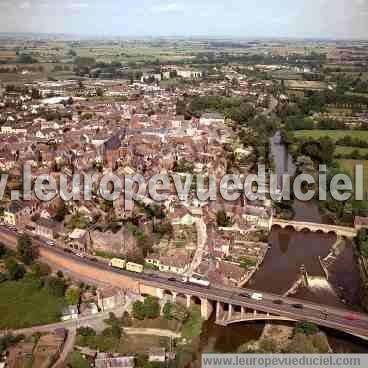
(257, 296)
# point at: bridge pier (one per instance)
(206, 309)
(189, 301)
(230, 312)
(219, 310)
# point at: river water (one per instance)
(289, 251)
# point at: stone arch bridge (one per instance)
(342, 231)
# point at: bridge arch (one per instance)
(277, 227)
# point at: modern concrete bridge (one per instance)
(231, 305)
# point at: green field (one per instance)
(333, 134)
(349, 166)
(23, 304)
(348, 150)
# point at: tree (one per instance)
(306, 328)
(300, 344)
(86, 331)
(14, 270)
(116, 331)
(167, 311)
(72, 296)
(55, 286)
(361, 242)
(179, 312)
(320, 342)
(139, 310)
(24, 249)
(151, 307)
(268, 345)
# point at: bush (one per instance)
(40, 269)
(86, 331)
(72, 296)
(139, 310)
(126, 320)
(55, 286)
(151, 307)
(14, 270)
(306, 328)
(24, 249)
(167, 311)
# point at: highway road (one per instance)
(340, 319)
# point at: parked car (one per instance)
(298, 306)
(245, 295)
(279, 302)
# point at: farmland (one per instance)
(349, 166)
(333, 134)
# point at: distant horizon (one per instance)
(183, 37)
(294, 19)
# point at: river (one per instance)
(289, 250)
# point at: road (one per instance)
(337, 318)
(67, 349)
(201, 245)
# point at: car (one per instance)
(80, 255)
(278, 301)
(172, 279)
(66, 250)
(93, 259)
(352, 317)
(257, 296)
(50, 243)
(245, 295)
(298, 306)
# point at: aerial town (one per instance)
(92, 282)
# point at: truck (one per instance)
(198, 280)
(134, 267)
(257, 296)
(118, 263)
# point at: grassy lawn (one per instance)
(333, 134)
(76, 360)
(22, 304)
(349, 166)
(193, 326)
(131, 344)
